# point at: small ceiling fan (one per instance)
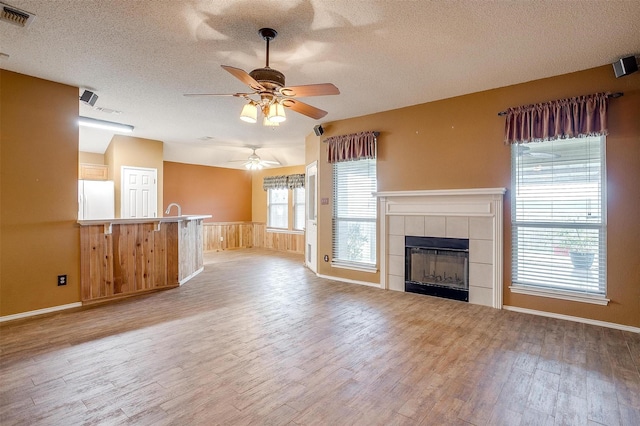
(254, 162)
(269, 93)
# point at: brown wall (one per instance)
(39, 236)
(90, 157)
(259, 195)
(457, 143)
(134, 152)
(223, 193)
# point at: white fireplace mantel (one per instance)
(474, 213)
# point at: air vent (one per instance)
(108, 110)
(16, 16)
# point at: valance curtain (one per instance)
(565, 118)
(295, 181)
(356, 146)
(283, 182)
(274, 182)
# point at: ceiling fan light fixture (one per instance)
(276, 113)
(253, 165)
(268, 123)
(249, 113)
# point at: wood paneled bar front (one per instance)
(125, 257)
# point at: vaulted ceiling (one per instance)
(141, 56)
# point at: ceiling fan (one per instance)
(254, 162)
(268, 85)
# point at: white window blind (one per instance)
(559, 215)
(277, 208)
(298, 208)
(354, 213)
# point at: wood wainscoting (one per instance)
(131, 259)
(234, 235)
(283, 241)
(123, 258)
(228, 235)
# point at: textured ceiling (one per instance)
(140, 56)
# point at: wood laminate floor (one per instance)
(257, 339)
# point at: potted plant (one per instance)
(582, 246)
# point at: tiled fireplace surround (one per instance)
(475, 214)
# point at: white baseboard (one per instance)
(185, 279)
(575, 319)
(347, 280)
(40, 311)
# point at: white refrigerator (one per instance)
(96, 199)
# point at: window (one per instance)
(558, 215)
(277, 208)
(354, 213)
(298, 208)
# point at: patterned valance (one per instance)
(356, 146)
(295, 181)
(283, 182)
(565, 118)
(274, 182)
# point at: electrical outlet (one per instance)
(62, 280)
(221, 239)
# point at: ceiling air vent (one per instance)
(16, 16)
(107, 110)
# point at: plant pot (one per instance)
(581, 260)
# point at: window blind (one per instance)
(278, 206)
(354, 213)
(558, 209)
(298, 208)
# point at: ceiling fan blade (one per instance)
(270, 162)
(237, 95)
(243, 76)
(322, 89)
(304, 109)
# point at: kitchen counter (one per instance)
(125, 257)
(150, 220)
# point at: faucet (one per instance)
(171, 205)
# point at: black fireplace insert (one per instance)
(437, 267)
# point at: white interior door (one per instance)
(139, 191)
(311, 212)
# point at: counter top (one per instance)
(165, 219)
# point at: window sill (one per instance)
(559, 294)
(360, 268)
(284, 231)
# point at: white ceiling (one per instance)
(141, 56)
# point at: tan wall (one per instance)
(223, 193)
(135, 152)
(90, 158)
(39, 236)
(259, 195)
(457, 143)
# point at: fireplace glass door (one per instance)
(439, 271)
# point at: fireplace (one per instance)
(437, 267)
(474, 214)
